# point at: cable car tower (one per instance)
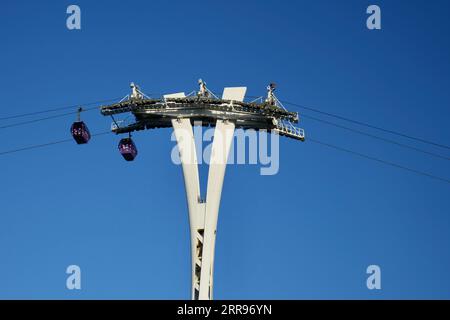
(181, 112)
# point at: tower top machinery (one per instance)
(204, 107)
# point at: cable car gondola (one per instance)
(128, 149)
(80, 131)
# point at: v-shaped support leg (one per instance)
(203, 216)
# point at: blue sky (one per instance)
(308, 232)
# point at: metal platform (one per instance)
(159, 113)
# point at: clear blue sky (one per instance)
(308, 232)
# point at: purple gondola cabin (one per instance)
(128, 149)
(80, 132)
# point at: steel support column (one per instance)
(203, 216)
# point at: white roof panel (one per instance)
(175, 95)
(235, 93)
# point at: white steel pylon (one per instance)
(227, 113)
(203, 215)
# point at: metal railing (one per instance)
(290, 130)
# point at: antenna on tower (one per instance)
(203, 90)
(136, 93)
(271, 99)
